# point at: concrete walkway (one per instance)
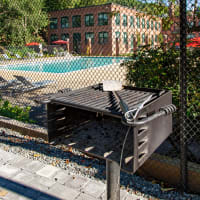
(21, 178)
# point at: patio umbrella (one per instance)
(196, 39)
(60, 42)
(193, 44)
(32, 44)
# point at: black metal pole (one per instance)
(183, 96)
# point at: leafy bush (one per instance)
(14, 112)
(159, 68)
(22, 51)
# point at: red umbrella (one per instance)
(60, 42)
(193, 44)
(196, 39)
(33, 44)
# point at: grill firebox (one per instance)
(89, 119)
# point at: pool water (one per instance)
(68, 65)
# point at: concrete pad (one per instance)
(94, 188)
(23, 177)
(63, 192)
(8, 171)
(76, 182)
(40, 180)
(19, 162)
(6, 156)
(47, 171)
(83, 196)
(33, 166)
(61, 177)
(123, 193)
(15, 196)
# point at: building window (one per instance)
(125, 38)
(156, 38)
(53, 23)
(152, 40)
(156, 25)
(64, 22)
(138, 22)
(148, 24)
(124, 20)
(89, 20)
(117, 19)
(132, 42)
(159, 26)
(151, 25)
(190, 36)
(103, 19)
(89, 35)
(143, 23)
(53, 37)
(143, 38)
(190, 24)
(65, 36)
(117, 34)
(76, 21)
(131, 21)
(103, 37)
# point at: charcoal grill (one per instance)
(89, 119)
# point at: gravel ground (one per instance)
(78, 163)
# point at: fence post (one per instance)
(183, 96)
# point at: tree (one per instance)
(21, 21)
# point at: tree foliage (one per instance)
(21, 21)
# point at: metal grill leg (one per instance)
(113, 180)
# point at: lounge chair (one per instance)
(4, 84)
(28, 86)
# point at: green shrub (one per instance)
(14, 112)
(159, 68)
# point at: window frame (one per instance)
(61, 23)
(125, 20)
(117, 19)
(92, 38)
(131, 21)
(53, 34)
(125, 39)
(64, 34)
(138, 22)
(105, 39)
(143, 23)
(73, 23)
(90, 23)
(103, 21)
(54, 24)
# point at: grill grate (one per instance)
(96, 99)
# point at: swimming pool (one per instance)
(67, 65)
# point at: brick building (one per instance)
(113, 29)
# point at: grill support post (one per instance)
(113, 180)
(183, 96)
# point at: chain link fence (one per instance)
(48, 48)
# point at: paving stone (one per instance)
(6, 156)
(47, 171)
(8, 171)
(33, 166)
(123, 193)
(94, 188)
(15, 196)
(23, 177)
(43, 181)
(76, 182)
(63, 192)
(61, 177)
(83, 196)
(20, 162)
(133, 197)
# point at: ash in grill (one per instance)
(90, 120)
